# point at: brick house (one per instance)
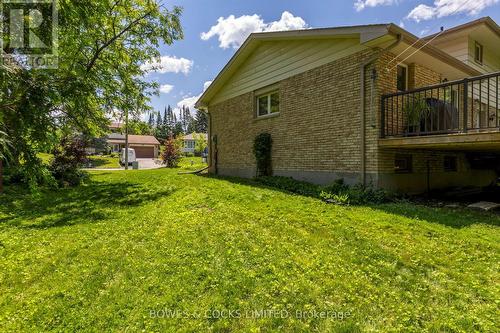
(145, 146)
(370, 104)
(189, 142)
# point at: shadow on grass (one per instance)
(84, 204)
(451, 217)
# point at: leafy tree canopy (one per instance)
(102, 45)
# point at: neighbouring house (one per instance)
(145, 146)
(189, 145)
(371, 104)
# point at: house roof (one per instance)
(370, 35)
(116, 136)
(133, 139)
(488, 21)
(191, 136)
(116, 124)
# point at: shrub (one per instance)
(262, 151)
(200, 143)
(339, 199)
(69, 156)
(171, 153)
(338, 192)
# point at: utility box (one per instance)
(135, 165)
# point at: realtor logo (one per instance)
(29, 32)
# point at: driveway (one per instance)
(144, 164)
(149, 163)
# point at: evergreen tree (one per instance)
(151, 120)
(201, 122)
(158, 120)
(165, 118)
(170, 120)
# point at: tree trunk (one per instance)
(126, 140)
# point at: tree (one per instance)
(171, 153)
(200, 143)
(170, 120)
(104, 49)
(69, 156)
(4, 151)
(159, 122)
(139, 127)
(177, 130)
(165, 118)
(151, 120)
(201, 122)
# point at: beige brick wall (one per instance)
(317, 130)
(317, 135)
(420, 76)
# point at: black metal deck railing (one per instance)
(471, 104)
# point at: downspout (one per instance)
(211, 150)
(364, 65)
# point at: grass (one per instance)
(115, 253)
(191, 163)
(100, 162)
(105, 162)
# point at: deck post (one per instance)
(465, 103)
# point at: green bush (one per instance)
(339, 199)
(338, 192)
(171, 153)
(69, 157)
(262, 150)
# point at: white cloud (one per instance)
(166, 88)
(359, 5)
(190, 101)
(442, 8)
(168, 64)
(232, 31)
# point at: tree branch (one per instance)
(98, 52)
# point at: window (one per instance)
(478, 53)
(450, 164)
(403, 163)
(402, 79)
(268, 104)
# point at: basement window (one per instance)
(450, 164)
(403, 163)
(268, 104)
(402, 79)
(478, 53)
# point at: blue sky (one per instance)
(214, 28)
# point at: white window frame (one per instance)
(268, 95)
(406, 76)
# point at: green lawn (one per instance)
(105, 162)
(113, 254)
(191, 163)
(100, 162)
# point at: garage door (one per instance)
(144, 152)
